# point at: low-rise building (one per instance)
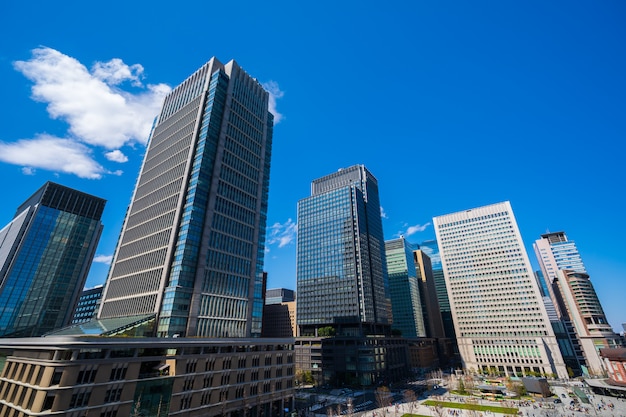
(118, 377)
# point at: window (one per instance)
(86, 376)
(79, 399)
(113, 395)
(118, 374)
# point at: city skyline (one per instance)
(486, 103)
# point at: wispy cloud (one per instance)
(282, 234)
(99, 113)
(275, 94)
(103, 259)
(411, 230)
(382, 213)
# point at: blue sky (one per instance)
(450, 104)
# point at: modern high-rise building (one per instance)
(500, 320)
(430, 248)
(45, 256)
(575, 300)
(341, 269)
(428, 295)
(192, 244)
(404, 288)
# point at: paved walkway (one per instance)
(600, 406)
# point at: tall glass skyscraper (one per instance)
(192, 245)
(45, 255)
(404, 288)
(501, 323)
(341, 271)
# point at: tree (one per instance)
(520, 390)
(462, 390)
(409, 399)
(326, 331)
(383, 398)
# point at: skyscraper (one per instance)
(192, 244)
(404, 288)
(555, 251)
(428, 295)
(500, 320)
(430, 248)
(45, 255)
(341, 271)
(576, 302)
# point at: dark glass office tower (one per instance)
(192, 245)
(45, 255)
(341, 269)
(430, 248)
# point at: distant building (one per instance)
(430, 248)
(45, 256)
(501, 323)
(404, 288)
(341, 269)
(107, 376)
(87, 306)
(428, 294)
(279, 295)
(575, 300)
(279, 313)
(279, 320)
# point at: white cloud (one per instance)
(275, 94)
(411, 230)
(382, 213)
(116, 72)
(103, 259)
(27, 170)
(97, 111)
(282, 234)
(116, 156)
(53, 154)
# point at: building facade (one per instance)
(431, 248)
(404, 288)
(428, 295)
(279, 295)
(279, 320)
(341, 269)
(88, 304)
(581, 310)
(192, 245)
(575, 300)
(500, 320)
(45, 256)
(112, 377)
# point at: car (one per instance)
(558, 401)
(563, 395)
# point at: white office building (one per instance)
(501, 323)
